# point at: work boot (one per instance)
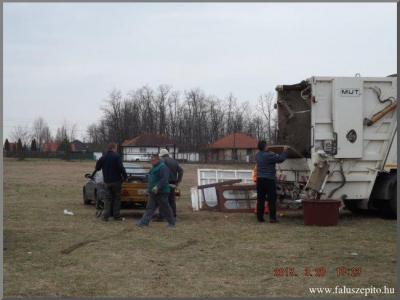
(170, 226)
(118, 219)
(274, 221)
(104, 219)
(141, 225)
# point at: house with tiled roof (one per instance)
(78, 146)
(12, 147)
(143, 146)
(234, 147)
(49, 147)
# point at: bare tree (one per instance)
(266, 106)
(67, 132)
(20, 133)
(192, 118)
(161, 107)
(230, 113)
(173, 106)
(40, 131)
(46, 135)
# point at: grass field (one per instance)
(208, 254)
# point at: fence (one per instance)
(188, 156)
(51, 155)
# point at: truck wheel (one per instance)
(389, 209)
(352, 205)
(393, 201)
(86, 201)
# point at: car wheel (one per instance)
(86, 201)
(99, 205)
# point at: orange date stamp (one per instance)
(318, 271)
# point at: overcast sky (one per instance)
(62, 60)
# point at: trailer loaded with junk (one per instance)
(342, 139)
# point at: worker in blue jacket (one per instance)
(266, 180)
(159, 189)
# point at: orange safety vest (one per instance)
(255, 174)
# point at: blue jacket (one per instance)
(266, 163)
(113, 169)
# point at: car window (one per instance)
(137, 169)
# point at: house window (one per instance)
(142, 150)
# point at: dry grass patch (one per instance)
(207, 255)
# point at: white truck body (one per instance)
(331, 123)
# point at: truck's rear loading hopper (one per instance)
(294, 117)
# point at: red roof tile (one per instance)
(235, 141)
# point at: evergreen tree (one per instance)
(65, 147)
(19, 146)
(20, 150)
(33, 145)
(6, 145)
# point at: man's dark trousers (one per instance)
(112, 200)
(161, 201)
(171, 201)
(266, 187)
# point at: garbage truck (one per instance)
(342, 133)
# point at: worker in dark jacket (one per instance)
(175, 177)
(266, 180)
(113, 175)
(158, 188)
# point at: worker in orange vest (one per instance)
(266, 180)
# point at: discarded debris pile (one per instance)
(235, 191)
(224, 190)
(226, 196)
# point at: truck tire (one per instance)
(393, 200)
(389, 209)
(86, 201)
(352, 205)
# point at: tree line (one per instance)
(192, 118)
(33, 138)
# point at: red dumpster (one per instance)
(321, 212)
